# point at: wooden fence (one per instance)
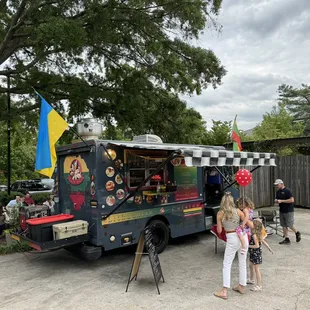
(261, 189)
(295, 173)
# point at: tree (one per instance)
(297, 102)
(188, 127)
(174, 123)
(219, 134)
(121, 61)
(23, 149)
(244, 136)
(276, 125)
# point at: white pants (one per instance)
(233, 245)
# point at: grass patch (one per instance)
(14, 248)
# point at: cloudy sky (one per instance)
(263, 43)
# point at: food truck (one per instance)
(107, 192)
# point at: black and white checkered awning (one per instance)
(201, 156)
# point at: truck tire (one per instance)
(90, 253)
(160, 232)
(85, 252)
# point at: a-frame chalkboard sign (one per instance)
(146, 240)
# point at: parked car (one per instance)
(33, 186)
(3, 188)
(50, 183)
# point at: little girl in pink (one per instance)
(247, 207)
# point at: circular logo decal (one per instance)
(138, 199)
(110, 186)
(110, 172)
(110, 200)
(119, 164)
(118, 179)
(149, 199)
(112, 153)
(163, 199)
(120, 194)
(176, 161)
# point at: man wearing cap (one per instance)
(285, 200)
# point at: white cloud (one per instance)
(262, 45)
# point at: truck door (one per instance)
(75, 172)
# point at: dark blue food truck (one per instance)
(107, 192)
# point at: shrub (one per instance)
(5, 197)
(13, 248)
(38, 198)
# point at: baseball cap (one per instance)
(278, 181)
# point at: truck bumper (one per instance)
(50, 245)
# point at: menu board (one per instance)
(186, 181)
(153, 256)
(146, 240)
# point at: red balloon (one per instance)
(243, 177)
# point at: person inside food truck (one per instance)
(212, 182)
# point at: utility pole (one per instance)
(9, 132)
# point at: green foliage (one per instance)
(297, 102)
(14, 219)
(14, 247)
(191, 127)
(192, 131)
(245, 137)
(38, 198)
(219, 134)
(5, 198)
(287, 151)
(173, 122)
(115, 133)
(121, 61)
(23, 149)
(277, 124)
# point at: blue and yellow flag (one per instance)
(51, 128)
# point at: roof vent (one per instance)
(147, 139)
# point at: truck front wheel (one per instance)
(160, 232)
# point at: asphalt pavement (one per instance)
(192, 271)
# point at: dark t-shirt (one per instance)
(283, 194)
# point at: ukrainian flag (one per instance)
(51, 128)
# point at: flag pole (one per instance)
(9, 133)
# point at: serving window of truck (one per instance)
(174, 179)
(141, 164)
